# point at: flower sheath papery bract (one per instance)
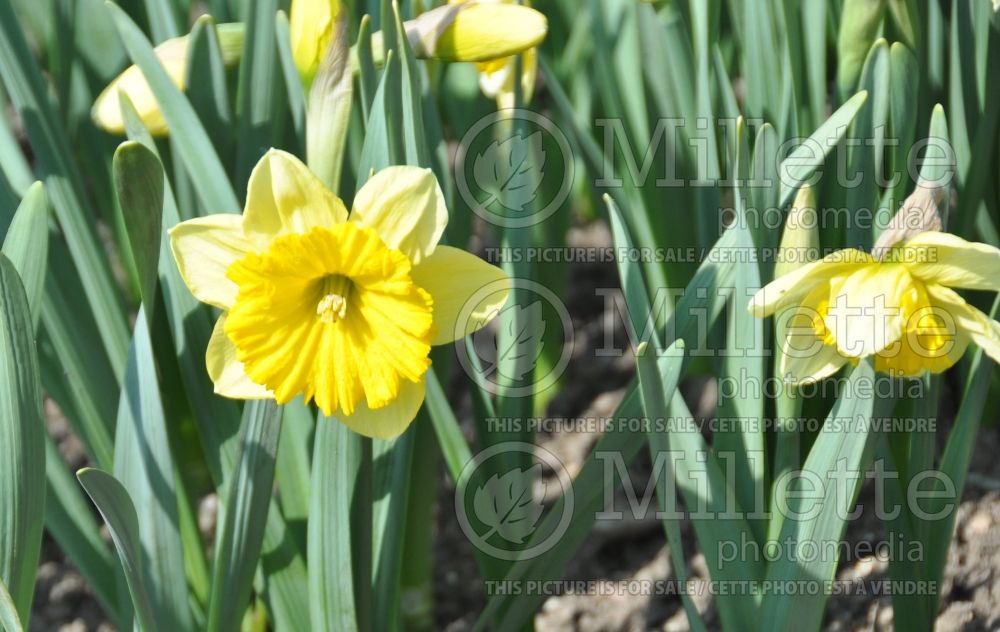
(339, 308)
(902, 309)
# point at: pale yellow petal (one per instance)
(803, 357)
(204, 248)
(107, 111)
(792, 287)
(983, 330)
(947, 259)
(389, 421)
(406, 207)
(865, 313)
(226, 371)
(467, 292)
(284, 197)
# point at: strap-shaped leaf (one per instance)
(119, 514)
(22, 447)
(138, 177)
(331, 585)
(244, 518)
(144, 463)
(8, 614)
(27, 245)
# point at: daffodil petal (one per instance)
(947, 259)
(467, 292)
(406, 207)
(983, 330)
(389, 421)
(803, 358)
(226, 371)
(284, 197)
(792, 287)
(204, 248)
(866, 312)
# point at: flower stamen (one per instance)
(332, 307)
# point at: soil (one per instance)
(629, 549)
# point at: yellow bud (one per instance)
(311, 28)
(476, 31)
(172, 54)
(800, 239)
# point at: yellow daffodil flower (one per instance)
(497, 75)
(173, 54)
(340, 308)
(901, 309)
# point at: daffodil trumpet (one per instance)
(340, 308)
(899, 307)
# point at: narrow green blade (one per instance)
(116, 507)
(243, 522)
(22, 447)
(331, 588)
(27, 245)
(144, 463)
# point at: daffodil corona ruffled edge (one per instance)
(902, 309)
(339, 307)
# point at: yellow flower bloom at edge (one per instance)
(340, 308)
(902, 310)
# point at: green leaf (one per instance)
(12, 161)
(162, 21)
(71, 523)
(803, 161)
(243, 520)
(390, 472)
(293, 82)
(259, 102)
(331, 588)
(27, 245)
(956, 459)
(838, 458)
(8, 613)
(138, 178)
(865, 157)
(743, 360)
(640, 310)
(144, 463)
(860, 21)
(22, 447)
(195, 148)
(52, 153)
(450, 438)
(113, 501)
(206, 84)
(654, 386)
